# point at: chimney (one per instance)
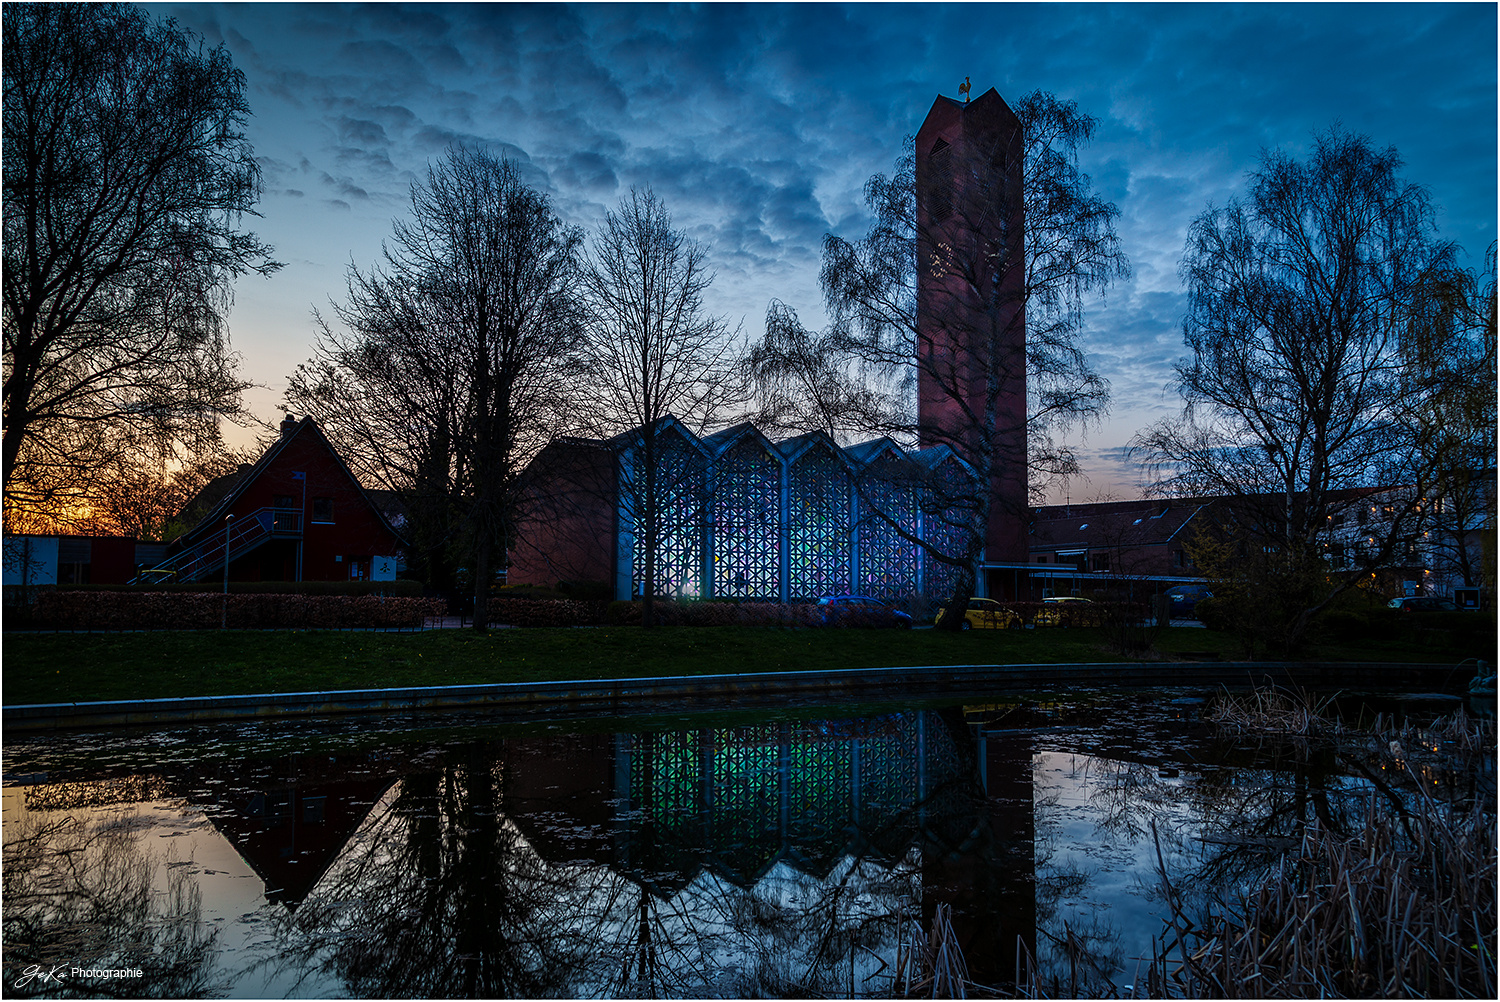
(288, 426)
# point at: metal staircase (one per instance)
(243, 535)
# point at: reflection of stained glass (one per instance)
(679, 490)
(666, 786)
(665, 779)
(746, 513)
(888, 787)
(821, 799)
(745, 783)
(741, 798)
(887, 562)
(818, 550)
(947, 815)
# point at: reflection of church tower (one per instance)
(970, 304)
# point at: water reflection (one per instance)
(779, 857)
(776, 857)
(91, 892)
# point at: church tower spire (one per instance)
(971, 314)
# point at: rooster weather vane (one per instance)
(963, 89)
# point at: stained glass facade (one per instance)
(819, 544)
(742, 518)
(946, 515)
(681, 490)
(887, 567)
(746, 525)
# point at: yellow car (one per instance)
(1051, 613)
(986, 614)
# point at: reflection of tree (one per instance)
(438, 897)
(1257, 800)
(81, 893)
(1074, 956)
(465, 881)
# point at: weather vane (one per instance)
(963, 89)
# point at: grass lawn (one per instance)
(68, 667)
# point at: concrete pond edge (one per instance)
(625, 694)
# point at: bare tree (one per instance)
(126, 174)
(146, 501)
(450, 375)
(942, 316)
(652, 353)
(1295, 388)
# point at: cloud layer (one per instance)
(758, 125)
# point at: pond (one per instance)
(803, 852)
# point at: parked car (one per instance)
(1055, 616)
(1185, 598)
(986, 614)
(860, 610)
(1423, 603)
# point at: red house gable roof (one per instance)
(240, 483)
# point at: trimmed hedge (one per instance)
(520, 608)
(516, 611)
(669, 613)
(402, 587)
(154, 610)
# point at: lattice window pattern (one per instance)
(680, 488)
(745, 779)
(746, 523)
(945, 523)
(819, 551)
(887, 561)
(821, 800)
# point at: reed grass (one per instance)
(1267, 710)
(932, 962)
(1403, 908)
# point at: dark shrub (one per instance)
(1213, 613)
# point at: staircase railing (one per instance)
(243, 535)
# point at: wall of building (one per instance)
(342, 536)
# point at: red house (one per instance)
(296, 515)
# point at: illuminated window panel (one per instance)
(746, 515)
(945, 523)
(819, 552)
(680, 488)
(887, 561)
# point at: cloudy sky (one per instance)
(759, 124)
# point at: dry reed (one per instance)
(1403, 908)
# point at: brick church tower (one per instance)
(971, 316)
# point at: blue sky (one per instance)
(759, 124)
